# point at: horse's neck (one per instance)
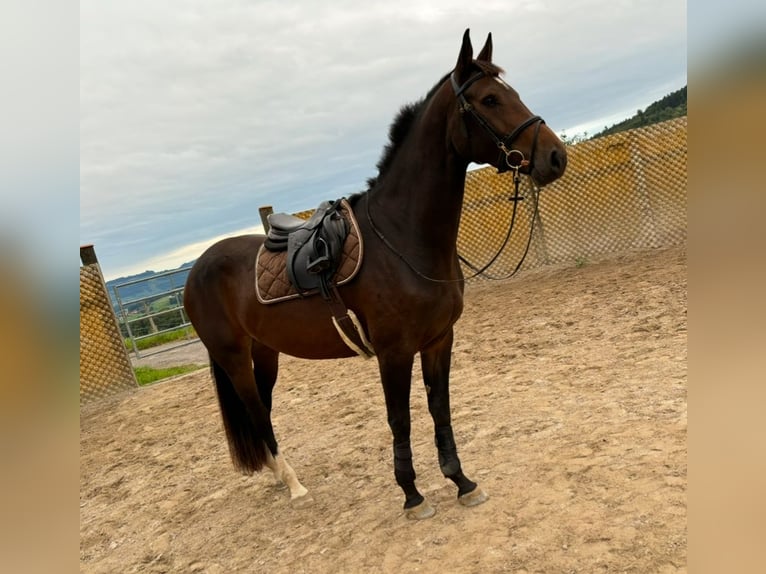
(422, 193)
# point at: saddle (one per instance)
(301, 258)
(313, 246)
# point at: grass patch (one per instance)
(162, 338)
(148, 375)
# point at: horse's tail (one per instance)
(248, 430)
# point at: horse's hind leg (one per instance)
(284, 474)
(265, 368)
(435, 362)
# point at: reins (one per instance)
(477, 271)
(514, 160)
(515, 200)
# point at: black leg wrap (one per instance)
(449, 462)
(405, 474)
(403, 463)
(445, 445)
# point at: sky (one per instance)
(194, 114)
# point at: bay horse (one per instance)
(408, 293)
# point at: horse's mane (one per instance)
(406, 117)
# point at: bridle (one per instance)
(509, 159)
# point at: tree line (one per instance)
(671, 106)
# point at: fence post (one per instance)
(88, 255)
(265, 211)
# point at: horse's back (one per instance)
(221, 277)
(242, 248)
(221, 303)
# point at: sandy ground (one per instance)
(569, 409)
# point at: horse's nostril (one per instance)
(555, 160)
(558, 160)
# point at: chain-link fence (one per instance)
(622, 192)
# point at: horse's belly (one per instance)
(301, 328)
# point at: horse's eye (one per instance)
(490, 101)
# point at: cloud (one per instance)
(176, 257)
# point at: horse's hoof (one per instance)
(473, 498)
(298, 491)
(421, 511)
(302, 501)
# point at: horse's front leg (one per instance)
(396, 376)
(436, 366)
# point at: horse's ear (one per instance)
(465, 58)
(486, 52)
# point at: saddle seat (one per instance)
(284, 223)
(281, 225)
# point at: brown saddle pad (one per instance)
(271, 282)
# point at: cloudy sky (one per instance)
(195, 113)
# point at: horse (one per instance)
(408, 293)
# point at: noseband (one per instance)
(509, 157)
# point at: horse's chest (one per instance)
(420, 316)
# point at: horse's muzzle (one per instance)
(550, 166)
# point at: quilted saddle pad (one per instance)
(271, 282)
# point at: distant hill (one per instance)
(150, 286)
(671, 106)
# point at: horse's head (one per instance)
(492, 125)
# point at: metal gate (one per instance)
(152, 306)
